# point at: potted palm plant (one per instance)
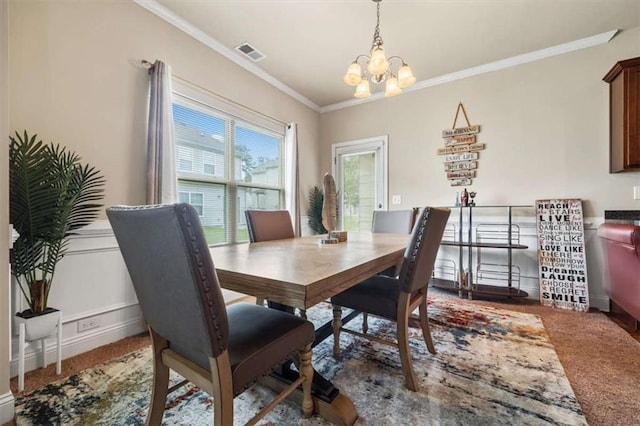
(51, 194)
(314, 211)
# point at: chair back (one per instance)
(420, 255)
(393, 221)
(267, 225)
(166, 253)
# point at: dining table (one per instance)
(300, 273)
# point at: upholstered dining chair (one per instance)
(390, 222)
(222, 351)
(393, 221)
(267, 225)
(395, 298)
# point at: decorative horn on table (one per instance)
(329, 210)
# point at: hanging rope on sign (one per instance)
(460, 107)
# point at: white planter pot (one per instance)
(40, 326)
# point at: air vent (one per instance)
(248, 50)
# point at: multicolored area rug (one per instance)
(493, 367)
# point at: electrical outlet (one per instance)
(636, 192)
(396, 199)
(88, 324)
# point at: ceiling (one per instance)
(308, 44)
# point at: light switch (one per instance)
(396, 199)
(636, 192)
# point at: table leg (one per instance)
(339, 411)
(327, 399)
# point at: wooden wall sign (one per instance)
(461, 165)
(460, 140)
(460, 151)
(561, 257)
(454, 158)
(461, 148)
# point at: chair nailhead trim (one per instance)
(204, 282)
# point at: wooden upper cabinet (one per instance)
(624, 115)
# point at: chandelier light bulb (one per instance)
(392, 88)
(362, 91)
(378, 64)
(405, 76)
(353, 75)
(379, 68)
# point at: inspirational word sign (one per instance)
(460, 151)
(561, 256)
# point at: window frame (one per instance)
(190, 96)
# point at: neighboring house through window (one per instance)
(196, 199)
(227, 162)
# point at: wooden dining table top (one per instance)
(300, 272)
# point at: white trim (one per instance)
(100, 311)
(364, 145)
(81, 343)
(490, 67)
(7, 407)
(98, 228)
(178, 22)
(231, 54)
(203, 97)
(6, 399)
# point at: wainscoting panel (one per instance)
(6, 407)
(527, 260)
(93, 286)
(93, 290)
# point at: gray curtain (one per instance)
(161, 163)
(291, 181)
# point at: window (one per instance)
(225, 164)
(196, 199)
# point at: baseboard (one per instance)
(601, 303)
(7, 407)
(79, 344)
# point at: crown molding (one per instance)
(513, 61)
(178, 22)
(175, 20)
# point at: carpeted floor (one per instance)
(601, 361)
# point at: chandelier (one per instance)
(378, 68)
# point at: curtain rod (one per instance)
(149, 65)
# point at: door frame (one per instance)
(367, 144)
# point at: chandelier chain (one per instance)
(377, 40)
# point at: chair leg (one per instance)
(222, 389)
(259, 301)
(303, 313)
(424, 324)
(365, 323)
(307, 371)
(160, 380)
(405, 355)
(337, 324)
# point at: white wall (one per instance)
(545, 125)
(76, 79)
(6, 398)
(525, 259)
(546, 129)
(91, 282)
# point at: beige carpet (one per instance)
(601, 360)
